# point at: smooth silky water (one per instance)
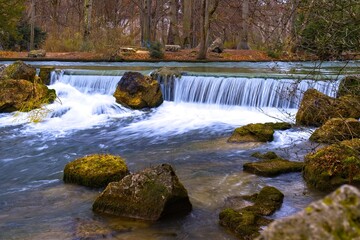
(189, 131)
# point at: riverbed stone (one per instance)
(336, 216)
(95, 170)
(333, 165)
(137, 91)
(316, 108)
(337, 129)
(151, 194)
(257, 132)
(349, 85)
(23, 95)
(246, 222)
(18, 70)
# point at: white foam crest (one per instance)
(289, 137)
(177, 118)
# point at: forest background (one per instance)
(322, 29)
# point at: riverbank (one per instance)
(188, 55)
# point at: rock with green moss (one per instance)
(22, 95)
(148, 195)
(18, 70)
(333, 165)
(165, 73)
(349, 85)
(337, 129)
(137, 91)
(334, 217)
(258, 132)
(40, 53)
(246, 222)
(268, 155)
(316, 108)
(95, 170)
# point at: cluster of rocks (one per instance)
(150, 194)
(21, 89)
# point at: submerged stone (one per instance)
(137, 91)
(258, 132)
(246, 222)
(337, 216)
(95, 170)
(18, 70)
(337, 129)
(148, 195)
(22, 95)
(333, 165)
(273, 167)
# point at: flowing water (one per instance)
(189, 131)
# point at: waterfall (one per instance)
(87, 83)
(249, 92)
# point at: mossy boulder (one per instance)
(22, 95)
(137, 91)
(246, 223)
(45, 74)
(349, 85)
(334, 217)
(334, 165)
(148, 195)
(95, 170)
(273, 165)
(316, 108)
(165, 73)
(37, 53)
(18, 70)
(337, 129)
(257, 132)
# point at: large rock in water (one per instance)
(18, 70)
(350, 85)
(337, 216)
(257, 132)
(95, 170)
(22, 95)
(337, 129)
(333, 165)
(149, 195)
(316, 108)
(137, 91)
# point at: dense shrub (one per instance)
(155, 49)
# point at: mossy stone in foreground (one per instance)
(95, 170)
(148, 195)
(335, 217)
(246, 222)
(18, 70)
(333, 165)
(257, 132)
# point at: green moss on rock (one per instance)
(316, 108)
(267, 155)
(22, 95)
(18, 70)
(337, 129)
(326, 168)
(45, 74)
(95, 170)
(148, 195)
(349, 85)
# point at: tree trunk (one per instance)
(88, 4)
(173, 36)
(146, 23)
(187, 20)
(244, 35)
(32, 25)
(203, 29)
